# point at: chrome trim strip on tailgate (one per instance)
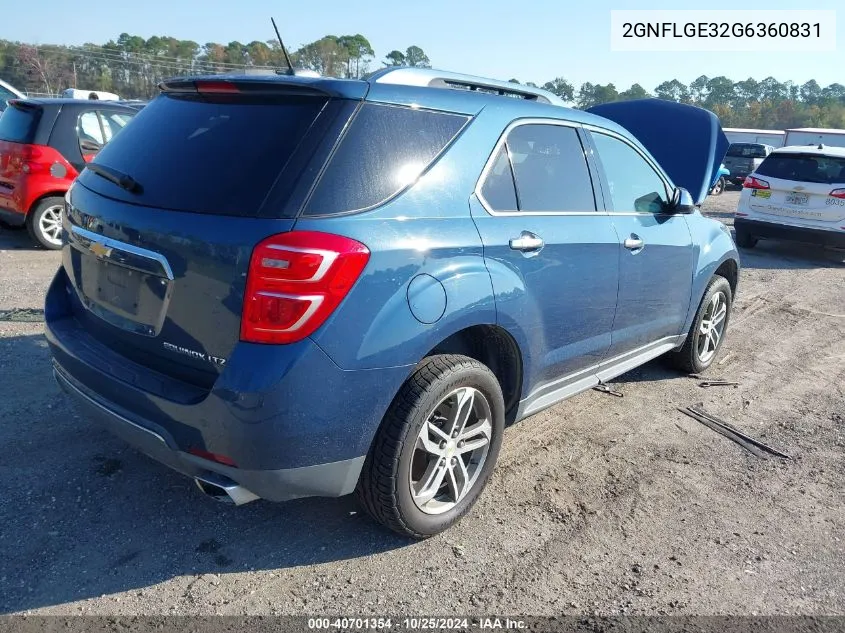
(107, 244)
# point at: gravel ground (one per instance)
(599, 505)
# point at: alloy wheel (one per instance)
(450, 450)
(712, 327)
(50, 224)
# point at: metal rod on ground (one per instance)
(723, 431)
(733, 429)
(754, 446)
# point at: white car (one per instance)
(797, 193)
(8, 92)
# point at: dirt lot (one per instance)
(601, 504)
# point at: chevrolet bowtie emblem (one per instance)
(99, 250)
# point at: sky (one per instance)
(531, 40)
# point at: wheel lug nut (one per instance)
(461, 444)
(443, 444)
(454, 461)
(454, 434)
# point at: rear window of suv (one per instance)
(216, 156)
(19, 123)
(747, 150)
(804, 168)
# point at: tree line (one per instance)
(132, 67)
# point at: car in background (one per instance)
(284, 286)
(721, 181)
(44, 145)
(743, 158)
(797, 193)
(7, 91)
(95, 95)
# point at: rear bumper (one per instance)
(771, 230)
(293, 422)
(11, 216)
(327, 480)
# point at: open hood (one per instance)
(687, 141)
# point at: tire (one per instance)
(41, 223)
(744, 239)
(719, 187)
(690, 358)
(397, 460)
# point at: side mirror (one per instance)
(682, 201)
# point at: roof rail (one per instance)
(407, 76)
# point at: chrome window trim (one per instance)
(109, 242)
(492, 159)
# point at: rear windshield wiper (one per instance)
(124, 181)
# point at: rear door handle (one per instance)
(526, 242)
(634, 243)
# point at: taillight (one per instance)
(39, 159)
(754, 183)
(216, 87)
(295, 281)
(838, 193)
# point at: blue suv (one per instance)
(287, 287)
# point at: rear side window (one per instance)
(747, 150)
(114, 122)
(384, 151)
(206, 155)
(804, 168)
(549, 167)
(88, 128)
(19, 123)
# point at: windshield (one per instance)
(804, 168)
(747, 150)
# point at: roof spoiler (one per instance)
(408, 76)
(263, 86)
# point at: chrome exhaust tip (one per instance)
(223, 489)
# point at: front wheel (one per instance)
(44, 223)
(436, 448)
(708, 328)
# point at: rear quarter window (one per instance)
(384, 151)
(19, 123)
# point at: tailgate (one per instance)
(802, 201)
(804, 186)
(162, 225)
(162, 288)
